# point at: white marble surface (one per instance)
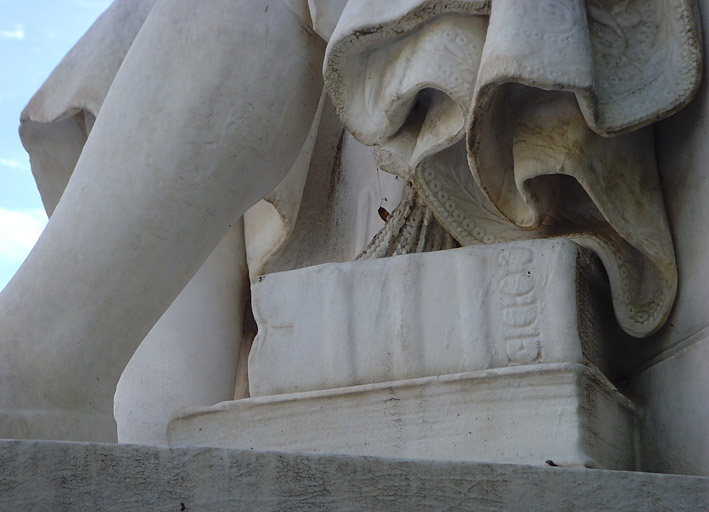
(674, 433)
(552, 120)
(190, 357)
(565, 413)
(168, 143)
(673, 366)
(424, 314)
(145, 207)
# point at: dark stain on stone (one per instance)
(337, 175)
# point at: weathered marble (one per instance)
(529, 414)
(145, 207)
(48, 476)
(172, 122)
(551, 98)
(436, 313)
(191, 356)
(333, 227)
(672, 365)
(674, 433)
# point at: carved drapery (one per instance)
(517, 120)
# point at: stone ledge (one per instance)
(47, 475)
(517, 415)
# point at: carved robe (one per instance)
(518, 120)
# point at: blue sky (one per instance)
(34, 36)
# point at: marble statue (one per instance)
(179, 145)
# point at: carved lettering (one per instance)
(517, 284)
(519, 306)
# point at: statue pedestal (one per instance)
(49, 475)
(490, 353)
(566, 413)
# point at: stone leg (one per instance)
(205, 116)
(190, 356)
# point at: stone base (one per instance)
(566, 413)
(443, 312)
(49, 476)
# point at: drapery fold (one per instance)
(517, 120)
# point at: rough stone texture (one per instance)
(522, 415)
(52, 476)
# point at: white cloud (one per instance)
(17, 165)
(18, 33)
(19, 230)
(12, 164)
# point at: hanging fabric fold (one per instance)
(517, 120)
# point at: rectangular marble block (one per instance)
(566, 413)
(429, 314)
